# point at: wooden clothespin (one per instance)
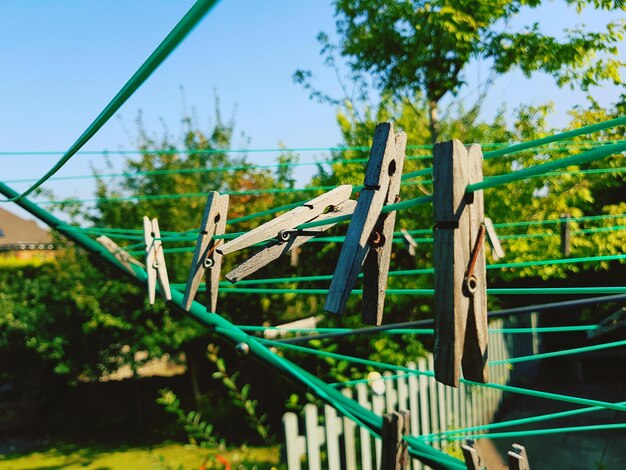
(303, 323)
(282, 231)
(460, 303)
(610, 323)
(205, 258)
(395, 450)
(496, 247)
(370, 235)
(471, 456)
(124, 258)
(518, 460)
(155, 261)
(409, 241)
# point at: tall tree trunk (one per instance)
(433, 121)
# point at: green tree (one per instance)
(416, 48)
(79, 321)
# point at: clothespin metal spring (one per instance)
(470, 282)
(286, 235)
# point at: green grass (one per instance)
(12, 262)
(168, 456)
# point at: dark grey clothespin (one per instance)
(155, 261)
(518, 460)
(369, 238)
(460, 302)
(496, 248)
(205, 258)
(409, 241)
(471, 456)
(282, 231)
(610, 323)
(124, 258)
(395, 450)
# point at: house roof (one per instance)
(17, 232)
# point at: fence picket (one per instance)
(314, 439)
(348, 437)
(378, 406)
(366, 448)
(296, 444)
(333, 431)
(433, 408)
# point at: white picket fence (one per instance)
(321, 439)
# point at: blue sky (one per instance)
(62, 61)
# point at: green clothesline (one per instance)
(620, 121)
(248, 167)
(505, 388)
(586, 157)
(341, 148)
(514, 422)
(562, 163)
(413, 272)
(565, 352)
(339, 239)
(533, 432)
(120, 232)
(419, 331)
(429, 292)
(184, 171)
(248, 192)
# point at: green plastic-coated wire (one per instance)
(173, 39)
(586, 157)
(107, 230)
(506, 388)
(564, 146)
(516, 422)
(564, 352)
(620, 121)
(427, 292)
(343, 148)
(183, 171)
(418, 331)
(532, 432)
(415, 272)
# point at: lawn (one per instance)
(168, 456)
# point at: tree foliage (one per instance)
(416, 48)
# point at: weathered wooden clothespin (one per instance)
(369, 238)
(303, 323)
(281, 233)
(395, 450)
(518, 459)
(124, 258)
(205, 258)
(155, 261)
(496, 247)
(460, 303)
(565, 235)
(610, 323)
(409, 242)
(471, 456)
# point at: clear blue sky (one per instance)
(62, 61)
